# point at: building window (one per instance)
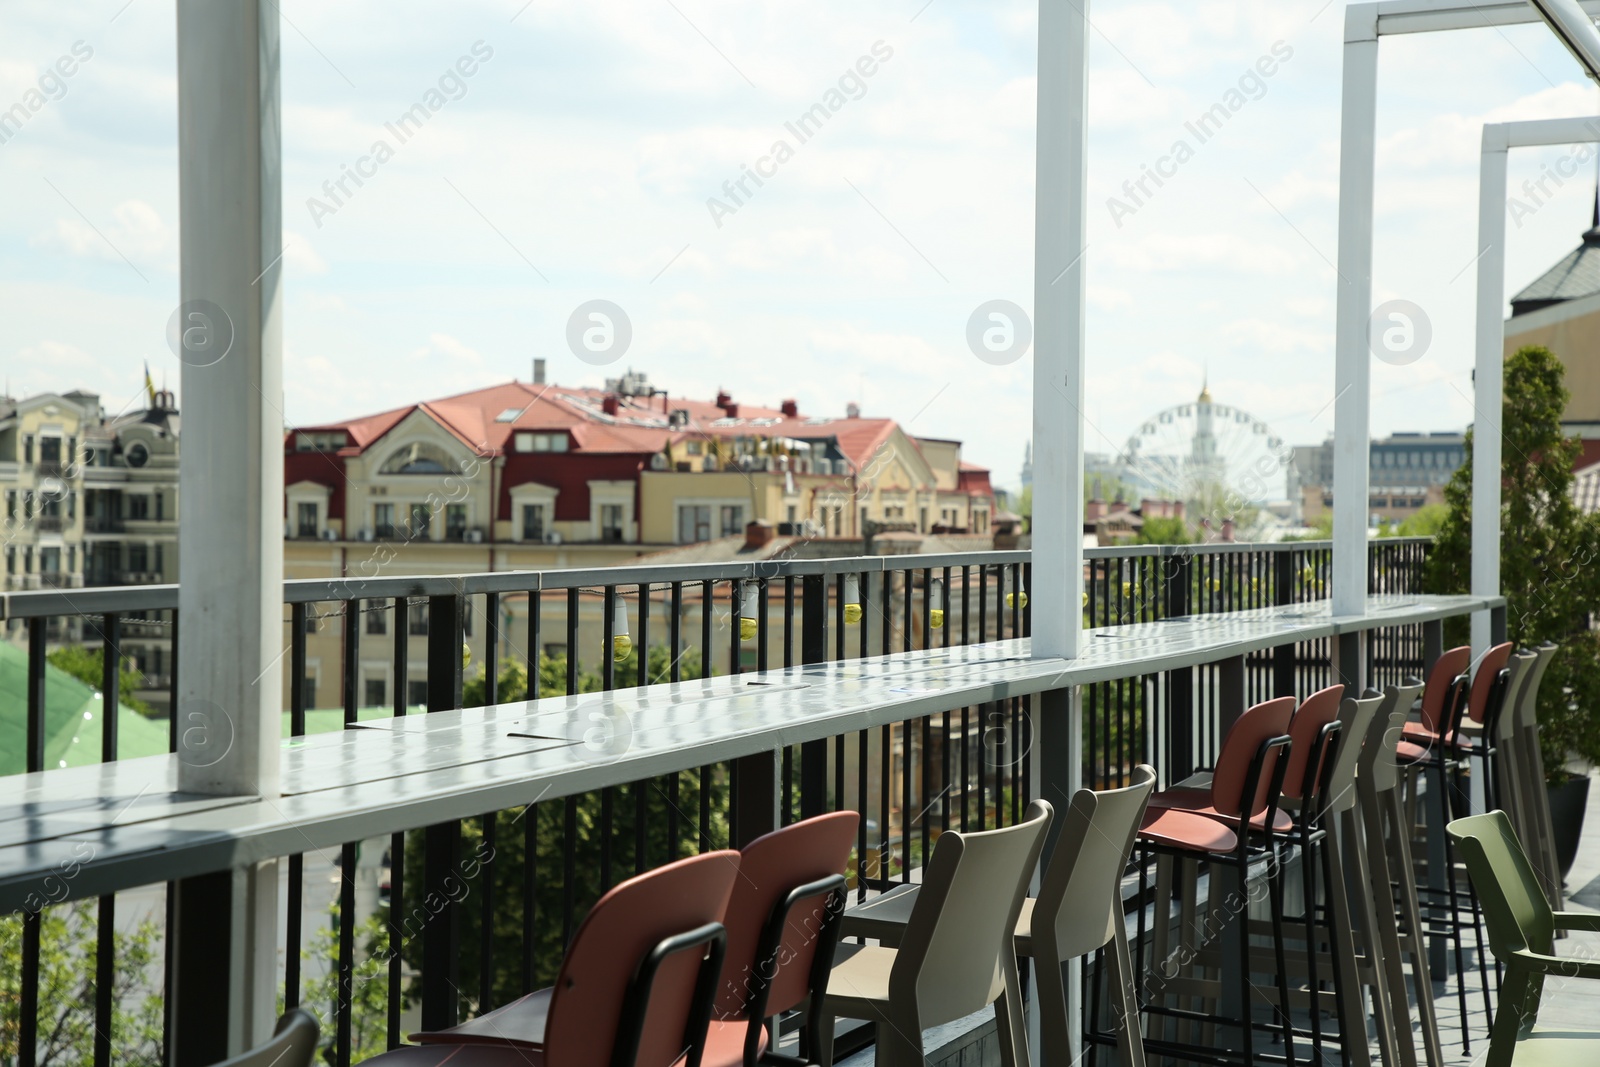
(160, 510)
(694, 524)
(383, 520)
(138, 557)
(540, 442)
(692, 448)
(138, 507)
(922, 520)
(421, 522)
(455, 522)
(732, 520)
(555, 651)
(418, 619)
(791, 512)
(160, 567)
(305, 520)
(50, 450)
(376, 691)
(377, 612)
(417, 693)
(313, 620)
(533, 522)
(308, 692)
(50, 560)
(611, 523)
(27, 448)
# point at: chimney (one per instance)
(609, 404)
(1227, 529)
(1093, 510)
(538, 372)
(852, 410)
(757, 534)
(731, 410)
(791, 410)
(723, 399)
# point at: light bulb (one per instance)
(466, 654)
(852, 600)
(749, 607)
(1016, 600)
(621, 643)
(936, 604)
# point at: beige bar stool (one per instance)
(1386, 843)
(955, 956)
(1531, 771)
(1078, 911)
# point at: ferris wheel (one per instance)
(1206, 454)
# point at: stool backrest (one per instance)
(1379, 764)
(1514, 906)
(1337, 791)
(1519, 670)
(1527, 706)
(948, 962)
(1080, 896)
(293, 1044)
(587, 1013)
(1483, 682)
(1436, 697)
(1239, 748)
(770, 868)
(1305, 729)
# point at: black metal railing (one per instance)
(527, 875)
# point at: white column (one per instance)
(1487, 377)
(231, 477)
(1060, 207)
(1352, 356)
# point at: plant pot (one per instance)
(1567, 803)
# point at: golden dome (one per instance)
(1205, 395)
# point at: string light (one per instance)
(749, 607)
(936, 604)
(852, 600)
(621, 643)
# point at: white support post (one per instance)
(1353, 357)
(1488, 375)
(229, 701)
(1060, 243)
(1060, 210)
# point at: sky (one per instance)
(595, 152)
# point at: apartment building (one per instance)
(91, 499)
(533, 475)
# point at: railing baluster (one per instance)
(347, 951)
(530, 897)
(644, 635)
(491, 649)
(489, 853)
(350, 669)
(572, 641)
(535, 650)
(675, 635)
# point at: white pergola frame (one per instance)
(1365, 24)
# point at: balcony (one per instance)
(104, 524)
(472, 535)
(59, 580)
(49, 523)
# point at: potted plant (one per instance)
(1549, 573)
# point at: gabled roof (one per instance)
(1576, 275)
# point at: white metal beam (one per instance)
(1430, 16)
(230, 596)
(1060, 213)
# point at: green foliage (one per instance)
(369, 990)
(1427, 522)
(595, 846)
(86, 665)
(1321, 530)
(1159, 531)
(1547, 553)
(68, 942)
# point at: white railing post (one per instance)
(1352, 356)
(227, 335)
(1488, 372)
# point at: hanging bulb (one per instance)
(936, 604)
(621, 643)
(466, 655)
(852, 600)
(749, 607)
(1014, 597)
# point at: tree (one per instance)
(87, 664)
(369, 988)
(1160, 531)
(68, 940)
(667, 801)
(1426, 522)
(1547, 552)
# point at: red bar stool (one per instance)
(1215, 826)
(635, 988)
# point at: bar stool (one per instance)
(1530, 773)
(1243, 797)
(1383, 838)
(1083, 879)
(636, 985)
(1445, 749)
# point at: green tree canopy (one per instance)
(1547, 552)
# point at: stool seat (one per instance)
(1186, 830)
(1198, 802)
